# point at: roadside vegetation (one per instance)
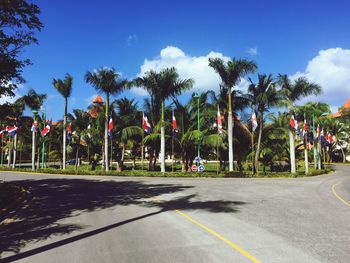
(110, 136)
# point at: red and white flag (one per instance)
(305, 128)
(174, 124)
(146, 125)
(219, 121)
(293, 121)
(110, 126)
(254, 121)
(46, 130)
(12, 130)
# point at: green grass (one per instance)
(209, 172)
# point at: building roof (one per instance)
(346, 105)
(97, 99)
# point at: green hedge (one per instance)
(146, 173)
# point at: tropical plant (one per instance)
(64, 87)
(161, 86)
(34, 101)
(293, 91)
(106, 80)
(231, 74)
(128, 132)
(264, 95)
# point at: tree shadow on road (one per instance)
(53, 200)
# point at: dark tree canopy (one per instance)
(18, 22)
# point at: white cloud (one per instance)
(131, 39)
(331, 70)
(196, 68)
(139, 91)
(253, 51)
(334, 109)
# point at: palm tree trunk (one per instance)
(292, 152)
(106, 132)
(77, 157)
(64, 133)
(38, 158)
(14, 151)
(33, 150)
(230, 141)
(257, 153)
(162, 142)
(230, 132)
(319, 154)
(9, 155)
(306, 157)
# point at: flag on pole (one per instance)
(310, 139)
(110, 127)
(34, 126)
(305, 128)
(146, 125)
(254, 121)
(219, 121)
(46, 130)
(293, 121)
(174, 124)
(330, 138)
(69, 131)
(322, 137)
(12, 130)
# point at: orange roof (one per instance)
(346, 105)
(97, 99)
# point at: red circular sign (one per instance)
(194, 168)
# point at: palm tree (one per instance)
(64, 87)
(128, 133)
(80, 121)
(293, 91)
(34, 101)
(162, 86)
(106, 80)
(231, 74)
(314, 112)
(264, 95)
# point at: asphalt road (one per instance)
(109, 219)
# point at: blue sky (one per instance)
(291, 37)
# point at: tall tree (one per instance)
(293, 91)
(161, 86)
(264, 95)
(106, 80)
(34, 101)
(231, 74)
(64, 87)
(18, 22)
(128, 132)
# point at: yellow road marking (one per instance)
(229, 242)
(338, 196)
